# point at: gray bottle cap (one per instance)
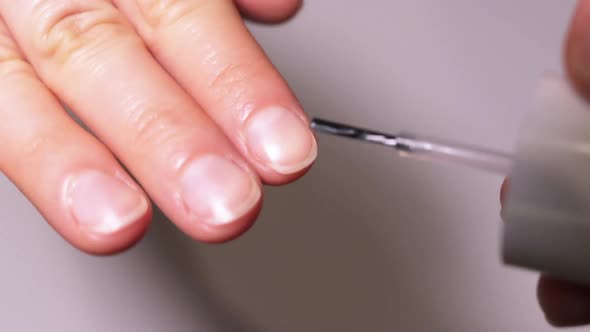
(547, 211)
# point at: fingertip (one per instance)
(577, 48)
(204, 232)
(269, 11)
(504, 191)
(107, 244)
(105, 211)
(281, 144)
(275, 179)
(564, 304)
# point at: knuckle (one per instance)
(232, 80)
(227, 76)
(161, 13)
(11, 61)
(165, 137)
(156, 129)
(40, 146)
(73, 28)
(148, 128)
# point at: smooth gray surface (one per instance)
(368, 241)
(547, 211)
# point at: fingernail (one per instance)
(281, 140)
(104, 204)
(217, 190)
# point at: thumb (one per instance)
(269, 11)
(577, 51)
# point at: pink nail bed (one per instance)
(218, 191)
(103, 203)
(280, 139)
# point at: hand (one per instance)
(566, 304)
(176, 91)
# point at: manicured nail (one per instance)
(281, 140)
(104, 204)
(217, 190)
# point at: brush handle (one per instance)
(422, 148)
(439, 151)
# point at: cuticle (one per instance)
(181, 166)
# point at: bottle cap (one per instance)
(547, 211)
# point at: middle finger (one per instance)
(208, 49)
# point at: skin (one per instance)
(185, 110)
(191, 80)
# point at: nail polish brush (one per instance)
(547, 210)
(414, 146)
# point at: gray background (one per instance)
(368, 241)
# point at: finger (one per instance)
(504, 190)
(269, 11)
(564, 304)
(206, 47)
(577, 52)
(70, 177)
(567, 304)
(90, 56)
